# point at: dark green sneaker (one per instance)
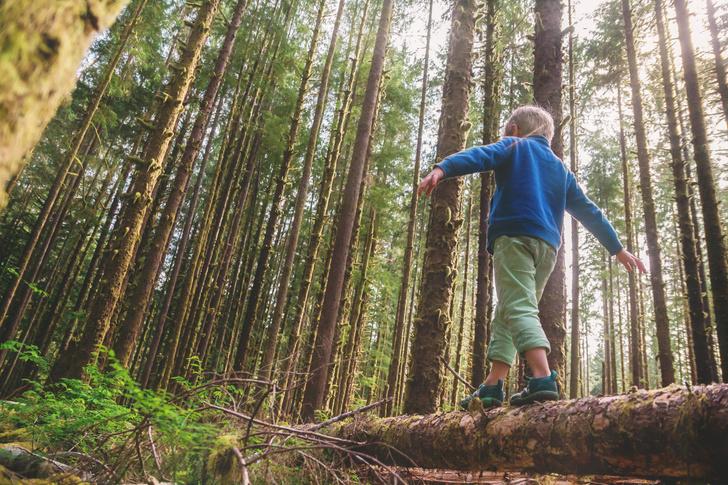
(539, 389)
(490, 396)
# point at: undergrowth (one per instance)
(111, 430)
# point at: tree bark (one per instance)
(714, 237)
(142, 290)
(49, 203)
(667, 371)
(720, 73)
(689, 261)
(575, 330)
(314, 394)
(491, 113)
(667, 433)
(547, 79)
(40, 55)
(433, 320)
(635, 364)
(122, 247)
(399, 320)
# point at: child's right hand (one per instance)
(630, 261)
(429, 183)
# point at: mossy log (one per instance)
(42, 43)
(670, 432)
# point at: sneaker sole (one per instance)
(538, 396)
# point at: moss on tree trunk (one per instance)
(42, 43)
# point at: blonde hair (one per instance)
(532, 120)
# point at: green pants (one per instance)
(522, 266)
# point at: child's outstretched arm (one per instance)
(471, 160)
(590, 216)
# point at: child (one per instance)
(533, 189)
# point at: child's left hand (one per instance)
(429, 183)
(630, 261)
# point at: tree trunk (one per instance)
(141, 291)
(399, 319)
(253, 297)
(491, 113)
(432, 320)
(117, 260)
(547, 79)
(49, 203)
(301, 194)
(314, 394)
(463, 300)
(719, 65)
(575, 330)
(636, 368)
(667, 372)
(294, 345)
(668, 433)
(714, 237)
(40, 57)
(695, 315)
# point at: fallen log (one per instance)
(672, 432)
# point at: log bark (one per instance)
(670, 432)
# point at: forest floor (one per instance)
(438, 477)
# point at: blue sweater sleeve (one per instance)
(590, 216)
(478, 158)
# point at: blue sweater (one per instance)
(533, 189)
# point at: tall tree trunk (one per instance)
(314, 394)
(399, 319)
(72, 156)
(714, 237)
(348, 365)
(40, 56)
(719, 64)
(575, 330)
(432, 320)
(547, 79)
(637, 371)
(464, 298)
(667, 372)
(294, 345)
(302, 193)
(117, 260)
(491, 113)
(253, 297)
(707, 311)
(685, 224)
(142, 289)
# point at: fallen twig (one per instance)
(296, 431)
(348, 414)
(457, 376)
(157, 460)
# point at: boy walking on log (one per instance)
(533, 190)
